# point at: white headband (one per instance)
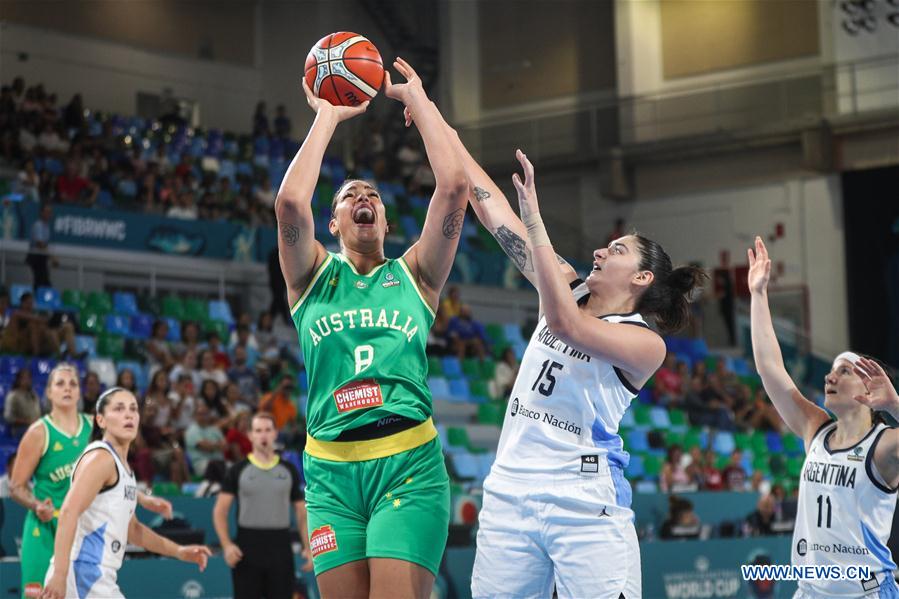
(849, 356)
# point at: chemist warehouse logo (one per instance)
(520, 409)
(322, 540)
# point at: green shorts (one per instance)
(37, 549)
(395, 507)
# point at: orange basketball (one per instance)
(344, 68)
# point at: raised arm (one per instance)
(298, 251)
(636, 350)
(881, 396)
(802, 416)
(496, 215)
(431, 257)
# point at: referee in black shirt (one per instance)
(261, 558)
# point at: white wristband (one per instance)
(536, 231)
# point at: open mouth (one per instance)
(596, 266)
(830, 391)
(364, 214)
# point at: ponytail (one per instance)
(667, 299)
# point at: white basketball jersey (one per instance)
(102, 532)
(564, 409)
(844, 514)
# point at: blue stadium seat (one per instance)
(466, 465)
(486, 460)
(174, 329)
(699, 349)
(303, 381)
(645, 395)
(105, 369)
(637, 441)
(635, 467)
(627, 420)
(459, 390)
(118, 325)
(452, 368)
(774, 441)
(16, 292)
(439, 387)
(10, 365)
(124, 303)
(410, 226)
(47, 299)
(659, 418)
(221, 311)
(647, 487)
(141, 326)
(41, 367)
(724, 443)
(513, 333)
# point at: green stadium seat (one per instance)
(491, 413)
(759, 443)
(74, 299)
(99, 302)
(488, 369)
(642, 414)
(478, 388)
(778, 465)
(742, 441)
(760, 464)
(173, 307)
(678, 418)
(224, 332)
(471, 367)
(693, 438)
(722, 461)
(794, 466)
(435, 367)
(91, 323)
(652, 465)
(496, 334)
(195, 310)
(674, 438)
(149, 304)
(111, 346)
(792, 443)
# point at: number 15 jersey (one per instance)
(565, 407)
(363, 338)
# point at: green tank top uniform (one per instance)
(363, 338)
(61, 451)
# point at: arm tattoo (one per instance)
(515, 247)
(480, 194)
(452, 224)
(563, 261)
(289, 233)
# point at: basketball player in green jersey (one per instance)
(377, 489)
(47, 453)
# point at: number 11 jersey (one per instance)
(564, 408)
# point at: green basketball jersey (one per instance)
(363, 338)
(53, 472)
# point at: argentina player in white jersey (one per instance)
(556, 508)
(847, 489)
(96, 520)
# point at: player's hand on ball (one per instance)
(44, 510)
(527, 191)
(341, 112)
(55, 588)
(233, 554)
(307, 555)
(198, 554)
(404, 92)
(759, 267)
(881, 394)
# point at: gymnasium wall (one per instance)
(189, 28)
(699, 226)
(109, 75)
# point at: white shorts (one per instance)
(887, 590)
(89, 581)
(570, 532)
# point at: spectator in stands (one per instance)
(674, 477)
(759, 414)
(5, 316)
(504, 377)
(260, 121)
(451, 305)
(22, 405)
(713, 480)
(734, 474)
(277, 287)
(72, 188)
(209, 370)
(238, 443)
(215, 347)
(31, 333)
(73, 116)
(438, 339)
(759, 522)
(190, 337)
(204, 440)
(695, 464)
(188, 366)
(282, 122)
(29, 181)
(4, 480)
(183, 402)
(234, 401)
(245, 321)
(211, 396)
(243, 376)
(668, 383)
(266, 339)
(185, 207)
(279, 403)
(467, 336)
(706, 407)
(91, 390)
(158, 394)
(246, 339)
(158, 449)
(682, 521)
(159, 352)
(126, 380)
(39, 258)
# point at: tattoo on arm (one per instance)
(480, 194)
(289, 233)
(452, 224)
(515, 247)
(563, 261)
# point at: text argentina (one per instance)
(548, 339)
(362, 318)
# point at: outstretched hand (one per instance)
(881, 395)
(527, 192)
(404, 92)
(341, 112)
(198, 554)
(759, 267)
